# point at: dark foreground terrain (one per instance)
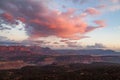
(94, 71)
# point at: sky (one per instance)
(61, 24)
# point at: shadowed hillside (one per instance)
(94, 71)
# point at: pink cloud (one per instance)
(100, 23)
(101, 6)
(92, 11)
(7, 16)
(22, 19)
(61, 25)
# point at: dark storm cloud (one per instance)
(21, 8)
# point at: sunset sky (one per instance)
(61, 24)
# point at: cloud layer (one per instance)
(43, 22)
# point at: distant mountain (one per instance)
(25, 49)
(89, 52)
(36, 55)
(46, 50)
